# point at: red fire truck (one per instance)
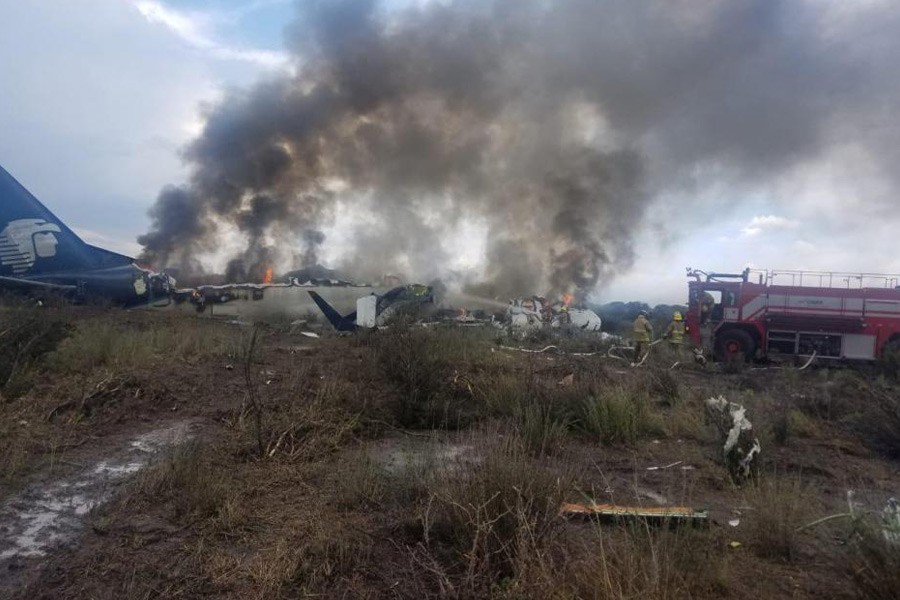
(758, 314)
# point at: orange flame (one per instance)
(567, 299)
(267, 278)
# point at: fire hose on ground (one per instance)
(609, 354)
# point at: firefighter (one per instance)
(706, 307)
(643, 332)
(675, 333)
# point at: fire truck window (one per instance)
(710, 306)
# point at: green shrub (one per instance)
(617, 414)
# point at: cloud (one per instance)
(763, 223)
(193, 28)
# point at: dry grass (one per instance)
(618, 414)
(625, 563)
(27, 335)
(102, 343)
(320, 514)
(872, 562)
(779, 505)
(491, 514)
(492, 530)
(188, 480)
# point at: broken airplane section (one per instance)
(39, 254)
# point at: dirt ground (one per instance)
(186, 458)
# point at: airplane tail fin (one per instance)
(33, 241)
(341, 323)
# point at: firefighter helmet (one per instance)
(677, 316)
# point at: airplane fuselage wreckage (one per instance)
(39, 254)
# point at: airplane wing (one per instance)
(17, 283)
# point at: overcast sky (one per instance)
(98, 96)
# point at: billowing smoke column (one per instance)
(555, 123)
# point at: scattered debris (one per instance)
(239, 323)
(617, 512)
(656, 497)
(809, 362)
(734, 522)
(567, 381)
(674, 464)
(698, 357)
(890, 518)
(852, 508)
(741, 448)
(546, 348)
(734, 545)
(309, 334)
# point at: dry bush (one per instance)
(613, 413)
(879, 424)
(309, 423)
(779, 506)
(423, 365)
(617, 414)
(27, 335)
(359, 481)
(14, 448)
(105, 343)
(873, 562)
(787, 423)
(889, 363)
(687, 419)
(503, 394)
(187, 479)
(542, 429)
(305, 563)
(664, 385)
(829, 394)
(493, 531)
(625, 562)
(484, 513)
(305, 418)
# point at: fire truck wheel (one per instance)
(731, 344)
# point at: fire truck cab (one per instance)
(757, 314)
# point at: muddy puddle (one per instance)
(50, 514)
(398, 456)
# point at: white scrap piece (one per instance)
(890, 518)
(740, 448)
(309, 334)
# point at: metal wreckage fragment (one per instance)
(741, 447)
(650, 514)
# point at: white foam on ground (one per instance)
(44, 516)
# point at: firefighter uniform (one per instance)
(707, 302)
(675, 333)
(643, 331)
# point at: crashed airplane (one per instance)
(40, 255)
(537, 312)
(375, 310)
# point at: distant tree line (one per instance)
(618, 316)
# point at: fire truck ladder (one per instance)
(826, 279)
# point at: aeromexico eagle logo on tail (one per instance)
(24, 241)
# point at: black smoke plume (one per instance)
(556, 123)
